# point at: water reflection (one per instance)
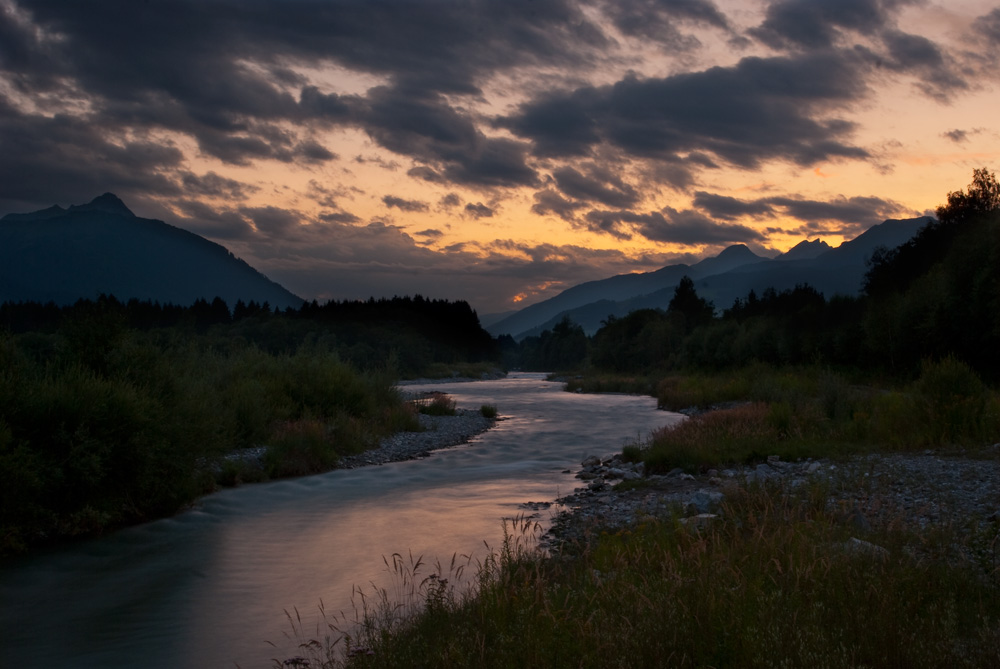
(209, 587)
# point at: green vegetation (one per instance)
(116, 413)
(778, 583)
(805, 413)
(123, 427)
(437, 404)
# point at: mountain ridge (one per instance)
(62, 255)
(830, 270)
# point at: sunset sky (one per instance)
(496, 152)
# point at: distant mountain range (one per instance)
(730, 275)
(62, 255)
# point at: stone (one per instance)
(863, 548)
(591, 461)
(704, 501)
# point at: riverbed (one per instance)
(210, 587)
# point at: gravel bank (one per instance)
(918, 491)
(439, 432)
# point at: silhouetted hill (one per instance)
(62, 255)
(618, 288)
(722, 279)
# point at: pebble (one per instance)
(874, 491)
(439, 432)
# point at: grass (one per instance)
(774, 583)
(824, 416)
(437, 404)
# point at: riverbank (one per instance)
(438, 432)
(876, 560)
(870, 494)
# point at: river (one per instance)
(210, 586)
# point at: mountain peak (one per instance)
(108, 203)
(805, 250)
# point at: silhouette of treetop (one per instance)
(982, 197)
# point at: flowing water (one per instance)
(209, 587)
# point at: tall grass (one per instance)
(773, 583)
(819, 414)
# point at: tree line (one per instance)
(936, 296)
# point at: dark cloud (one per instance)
(272, 221)
(211, 184)
(450, 201)
(937, 76)
(404, 205)
(687, 227)
(339, 217)
(988, 27)
(390, 165)
(758, 110)
(223, 224)
(816, 24)
(659, 20)
(478, 210)
(550, 202)
(430, 234)
(852, 212)
(729, 208)
(68, 160)
(599, 185)
(858, 211)
(221, 75)
(958, 136)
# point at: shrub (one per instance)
(300, 447)
(488, 411)
(952, 402)
(439, 404)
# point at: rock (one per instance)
(813, 467)
(862, 548)
(591, 461)
(614, 473)
(704, 501)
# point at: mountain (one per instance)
(722, 279)
(806, 250)
(617, 288)
(62, 255)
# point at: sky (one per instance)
(500, 151)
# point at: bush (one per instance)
(439, 404)
(952, 402)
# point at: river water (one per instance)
(210, 587)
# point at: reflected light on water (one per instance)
(210, 587)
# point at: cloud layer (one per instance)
(625, 121)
